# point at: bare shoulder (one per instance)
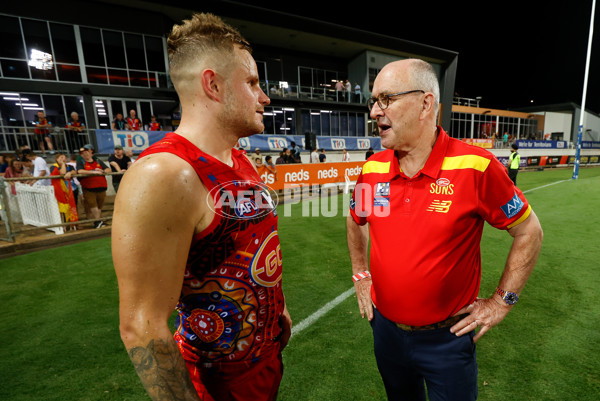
(161, 187)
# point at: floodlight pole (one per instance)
(585, 84)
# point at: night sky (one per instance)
(510, 53)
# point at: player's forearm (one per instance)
(523, 255)
(358, 242)
(162, 370)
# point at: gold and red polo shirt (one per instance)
(426, 230)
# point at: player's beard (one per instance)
(239, 119)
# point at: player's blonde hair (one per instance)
(203, 41)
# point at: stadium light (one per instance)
(40, 60)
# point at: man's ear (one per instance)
(212, 85)
(428, 103)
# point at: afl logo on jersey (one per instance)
(241, 200)
(266, 265)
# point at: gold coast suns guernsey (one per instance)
(231, 299)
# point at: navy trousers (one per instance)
(428, 363)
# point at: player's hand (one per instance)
(285, 321)
(363, 296)
(484, 313)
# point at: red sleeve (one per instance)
(360, 201)
(501, 203)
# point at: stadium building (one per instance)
(102, 58)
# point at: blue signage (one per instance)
(542, 144)
(138, 141)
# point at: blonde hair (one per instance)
(202, 41)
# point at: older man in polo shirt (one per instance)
(425, 200)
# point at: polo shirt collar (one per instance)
(436, 158)
(434, 161)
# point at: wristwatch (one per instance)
(509, 297)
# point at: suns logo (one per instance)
(266, 265)
(445, 189)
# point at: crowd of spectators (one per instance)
(81, 174)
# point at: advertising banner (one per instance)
(138, 141)
(542, 144)
(290, 175)
(482, 143)
(590, 145)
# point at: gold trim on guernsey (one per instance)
(475, 162)
(521, 219)
(376, 167)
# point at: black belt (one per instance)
(451, 321)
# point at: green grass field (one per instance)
(59, 320)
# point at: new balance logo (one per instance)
(439, 206)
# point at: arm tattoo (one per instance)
(162, 370)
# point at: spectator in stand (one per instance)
(258, 162)
(3, 164)
(357, 94)
(294, 156)
(42, 132)
(14, 170)
(74, 127)
(369, 153)
(322, 156)
(282, 159)
(348, 87)
(314, 156)
(270, 166)
(118, 123)
(40, 167)
(119, 163)
(63, 190)
(133, 122)
(75, 185)
(345, 156)
(94, 183)
(339, 90)
(154, 125)
(129, 153)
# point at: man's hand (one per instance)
(484, 313)
(363, 296)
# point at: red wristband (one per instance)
(360, 276)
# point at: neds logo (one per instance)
(297, 176)
(331, 173)
(353, 172)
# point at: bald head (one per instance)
(410, 74)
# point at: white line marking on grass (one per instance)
(342, 297)
(544, 186)
(323, 310)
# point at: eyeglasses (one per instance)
(383, 101)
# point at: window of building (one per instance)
(42, 50)
(333, 123)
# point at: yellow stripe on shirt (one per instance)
(373, 166)
(521, 219)
(475, 162)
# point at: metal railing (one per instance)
(49, 205)
(324, 93)
(63, 140)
